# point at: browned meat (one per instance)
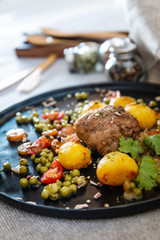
(101, 129)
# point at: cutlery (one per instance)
(15, 78)
(26, 74)
(33, 79)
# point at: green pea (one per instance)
(36, 120)
(50, 158)
(106, 100)
(6, 166)
(68, 178)
(64, 124)
(32, 157)
(133, 185)
(152, 104)
(77, 95)
(75, 172)
(84, 95)
(33, 181)
(25, 119)
(137, 193)
(65, 191)
(31, 118)
(43, 169)
(51, 154)
(48, 164)
(37, 161)
(65, 173)
(42, 127)
(59, 183)
(53, 187)
(46, 187)
(73, 188)
(54, 196)
(46, 150)
(24, 183)
(140, 100)
(23, 162)
(19, 119)
(128, 196)
(86, 101)
(43, 161)
(46, 110)
(47, 121)
(23, 170)
(45, 194)
(49, 126)
(74, 180)
(38, 167)
(36, 126)
(35, 114)
(43, 154)
(65, 117)
(67, 183)
(126, 186)
(81, 180)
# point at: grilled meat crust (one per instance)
(101, 129)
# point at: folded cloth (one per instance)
(143, 20)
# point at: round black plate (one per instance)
(9, 182)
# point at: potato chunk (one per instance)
(115, 168)
(74, 156)
(145, 116)
(121, 101)
(92, 105)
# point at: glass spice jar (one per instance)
(116, 42)
(83, 57)
(124, 64)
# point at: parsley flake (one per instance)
(130, 146)
(148, 174)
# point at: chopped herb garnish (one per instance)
(148, 174)
(153, 142)
(130, 146)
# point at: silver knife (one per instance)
(17, 77)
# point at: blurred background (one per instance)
(18, 18)
(29, 16)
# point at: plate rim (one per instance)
(96, 213)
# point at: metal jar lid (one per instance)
(116, 45)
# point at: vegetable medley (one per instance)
(59, 153)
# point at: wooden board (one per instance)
(25, 49)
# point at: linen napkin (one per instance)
(144, 28)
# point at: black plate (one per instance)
(9, 182)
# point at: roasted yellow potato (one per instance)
(74, 156)
(115, 168)
(121, 101)
(145, 116)
(92, 105)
